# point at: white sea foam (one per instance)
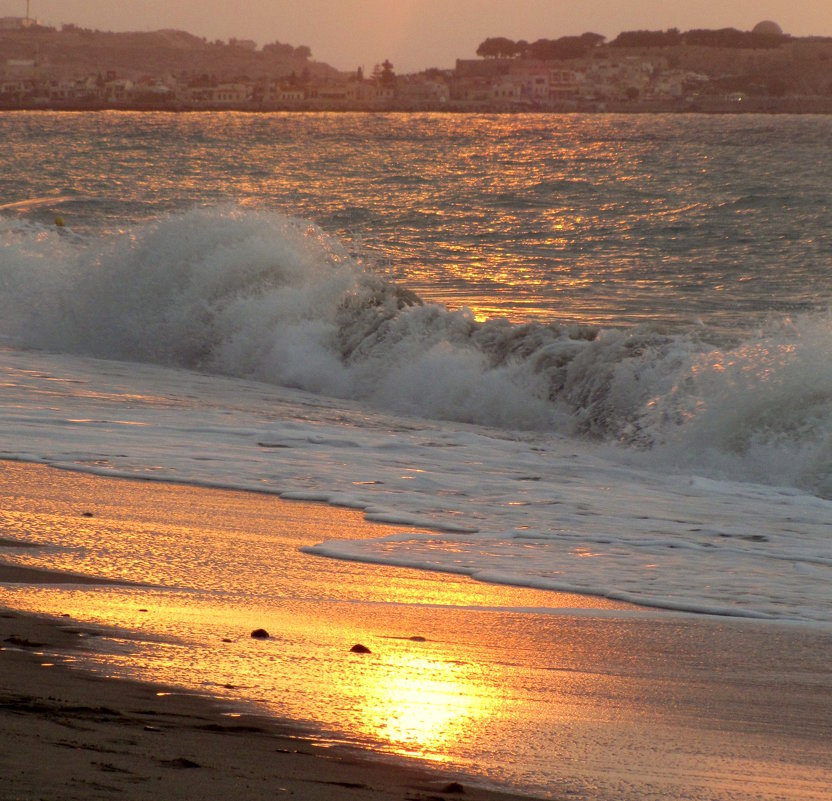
(257, 295)
(536, 509)
(600, 494)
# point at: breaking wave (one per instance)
(258, 295)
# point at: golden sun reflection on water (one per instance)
(420, 705)
(479, 676)
(206, 567)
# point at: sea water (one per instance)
(585, 353)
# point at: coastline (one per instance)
(72, 729)
(642, 699)
(70, 734)
(810, 105)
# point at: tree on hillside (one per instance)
(593, 39)
(279, 49)
(668, 38)
(383, 73)
(557, 49)
(287, 51)
(566, 47)
(731, 38)
(725, 37)
(497, 47)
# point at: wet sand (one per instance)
(68, 734)
(636, 705)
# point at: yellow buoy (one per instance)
(59, 221)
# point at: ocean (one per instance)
(571, 353)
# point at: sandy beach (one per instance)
(68, 734)
(656, 704)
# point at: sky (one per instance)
(417, 34)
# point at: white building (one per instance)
(289, 94)
(223, 94)
(117, 90)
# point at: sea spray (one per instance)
(255, 294)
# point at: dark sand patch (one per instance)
(18, 574)
(5, 542)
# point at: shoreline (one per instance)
(69, 733)
(651, 700)
(136, 735)
(808, 105)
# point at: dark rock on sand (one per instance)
(22, 642)
(347, 785)
(260, 634)
(358, 648)
(180, 762)
(231, 729)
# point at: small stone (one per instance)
(22, 642)
(181, 762)
(358, 648)
(260, 634)
(453, 787)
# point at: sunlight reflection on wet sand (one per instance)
(504, 682)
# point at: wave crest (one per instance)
(259, 295)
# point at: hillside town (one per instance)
(718, 71)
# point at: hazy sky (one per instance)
(415, 34)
